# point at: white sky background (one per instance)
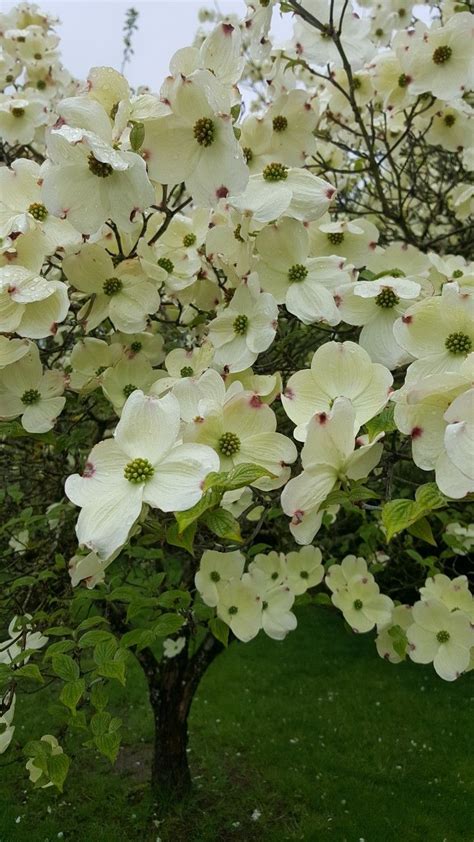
(92, 33)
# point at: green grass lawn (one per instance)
(318, 734)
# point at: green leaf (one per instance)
(382, 423)
(108, 745)
(58, 767)
(223, 524)
(90, 622)
(58, 648)
(245, 474)
(167, 624)
(238, 477)
(137, 136)
(100, 723)
(184, 539)
(185, 519)
(92, 638)
(429, 496)
(422, 529)
(30, 671)
(175, 599)
(220, 630)
(71, 693)
(400, 514)
(400, 640)
(321, 598)
(99, 696)
(105, 651)
(65, 667)
(114, 668)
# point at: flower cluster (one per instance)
(237, 313)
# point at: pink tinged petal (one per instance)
(305, 526)
(148, 427)
(307, 491)
(40, 417)
(72, 192)
(451, 660)
(103, 470)
(177, 482)
(245, 417)
(423, 645)
(41, 318)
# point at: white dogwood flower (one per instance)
(245, 328)
(304, 284)
(28, 392)
(328, 455)
(377, 305)
(338, 369)
(29, 304)
(441, 637)
(122, 293)
(215, 570)
(143, 463)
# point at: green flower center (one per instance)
(189, 240)
(335, 238)
(443, 636)
(458, 273)
(248, 154)
(449, 120)
(304, 574)
(128, 389)
(136, 347)
(358, 604)
(241, 324)
(442, 54)
(138, 470)
(275, 172)
(17, 111)
(458, 343)
(403, 80)
(38, 211)
(100, 370)
(41, 84)
(274, 575)
(30, 396)
(99, 168)
(264, 3)
(229, 444)
(264, 605)
(356, 83)
(166, 264)
(280, 123)
(204, 131)
(233, 610)
(112, 286)
(186, 371)
(387, 298)
(297, 273)
(215, 577)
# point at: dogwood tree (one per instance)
(236, 356)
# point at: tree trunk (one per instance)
(172, 685)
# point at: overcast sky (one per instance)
(91, 33)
